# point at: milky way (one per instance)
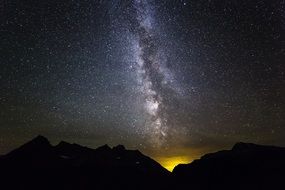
(151, 72)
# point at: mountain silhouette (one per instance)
(245, 166)
(39, 165)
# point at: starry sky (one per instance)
(174, 79)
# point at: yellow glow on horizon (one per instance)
(170, 162)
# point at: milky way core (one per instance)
(152, 74)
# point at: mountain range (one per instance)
(39, 165)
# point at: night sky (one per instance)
(174, 79)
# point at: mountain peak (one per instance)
(63, 143)
(103, 148)
(40, 138)
(38, 144)
(244, 146)
(39, 141)
(119, 148)
(101, 168)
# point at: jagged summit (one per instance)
(104, 148)
(63, 143)
(119, 148)
(38, 144)
(37, 162)
(245, 146)
(41, 138)
(245, 166)
(241, 146)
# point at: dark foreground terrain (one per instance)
(39, 165)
